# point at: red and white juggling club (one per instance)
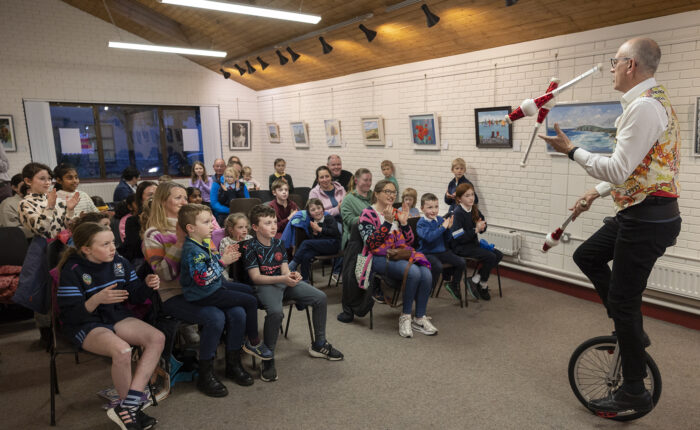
(552, 239)
(541, 115)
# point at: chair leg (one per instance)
(54, 387)
(371, 319)
(289, 318)
(498, 275)
(152, 390)
(330, 278)
(311, 327)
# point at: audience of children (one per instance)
(280, 166)
(389, 171)
(266, 262)
(222, 194)
(434, 236)
(409, 198)
(247, 179)
(329, 192)
(283, 207)
(324, 238)
(468, 222)
(459, 167)
(201, 181)
(94, 284)
(67, 184)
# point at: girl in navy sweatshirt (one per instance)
(468, 222)
(94, 284)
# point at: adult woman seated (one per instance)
(357, 199)
(382, 229)
(162, 243)
(330, 193)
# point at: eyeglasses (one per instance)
(389, 192)
(614, 61)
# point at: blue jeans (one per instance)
(233, 294)
(418, 283)
(213, 321)
(311, 248)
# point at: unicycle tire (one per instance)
(588, 369)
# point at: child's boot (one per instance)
(235, 370)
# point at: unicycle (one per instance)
(595, 371)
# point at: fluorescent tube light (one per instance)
(246, 10)
(170, 49)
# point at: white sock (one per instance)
(476, 278)
(484, 284)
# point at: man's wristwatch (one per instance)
(571, 153)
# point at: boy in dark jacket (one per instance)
(324, 240)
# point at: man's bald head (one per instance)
(335, 165)
(646, 54)
(219, 166)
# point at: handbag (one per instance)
(395, 254)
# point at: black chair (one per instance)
(296, 198)
(304, 193)
(14, 246)
(263, 195)
(300, 236)
(243, 205)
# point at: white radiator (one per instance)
(674, 278)
(508, 242)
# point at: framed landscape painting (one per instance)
(7, 134)
(590, 126)
(332, 132)
(300, 134)
(273, 132)
(492, 130)
(425, 133)
(239, 134)
(373, 130)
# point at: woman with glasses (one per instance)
(382, 229)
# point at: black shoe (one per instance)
(345, 317)
(268, 373)
(621, 403)
(471, 289)
(325, 351)
(207, 382)
(146, 421)
(484, 293)
(125, 418)
(235, 370)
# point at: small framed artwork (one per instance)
(373, 130)
(492, 130)
(425, 131)
(697, 128)
(273, 132)
(239, 134)
(332, 132)
(7, 134)
(590, 126)
(300, 134)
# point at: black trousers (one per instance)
(633, 246)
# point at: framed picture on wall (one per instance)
(492, 130)
(300, 134)
(273, 132)
(7, 133)
(239, 134)
(697, 128)
(332, 127)
(373, 130)
(590, 126)
(425, 131)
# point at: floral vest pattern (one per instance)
(659, 170)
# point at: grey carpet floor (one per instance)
(494, 365)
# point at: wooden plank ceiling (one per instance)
(403, 37)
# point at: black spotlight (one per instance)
(263, 64)
(225, 73)
(251, 69)
(240, 69)
(283, 60)
(371, 34)
(511, 2)
(294, 55)
(327, 48)
(431, 18)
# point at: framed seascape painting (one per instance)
(425, 133)
(492, 130)
(7, 133)
(332, 132)
(590, 126)
(373, 130)
(300, 134)
(239, 134)
(273, 132)
(697, 128)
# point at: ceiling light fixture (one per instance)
(240, 69)
(294, 55)
(225, 73)
(371, 34)
(511, 2)
(263, 64)
(251, 69)
(431, 18)
(168, 49)
(327, 48)
(247, 10)
(283, 60)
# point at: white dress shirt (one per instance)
(641, 124)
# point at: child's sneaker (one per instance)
(484, 292)
(124, 417)
(260, 350)
(268, 373)
(325, 351)
(378, 297)
(423, 325)
(471, 289)
(453, 290)
(146, 421)
(405, 326)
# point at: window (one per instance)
(102, 140)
